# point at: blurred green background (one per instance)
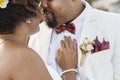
(90, 1)
(106, 5)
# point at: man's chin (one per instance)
(52, 24)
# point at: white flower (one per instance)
(86, 46)
(3, 3)
(85, 41)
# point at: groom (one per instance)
(77, 19)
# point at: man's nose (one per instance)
(43, 3)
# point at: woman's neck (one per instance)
(22, 40)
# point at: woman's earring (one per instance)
(39, 4)
(28, 21)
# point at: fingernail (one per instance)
(74, 40)
(65, 36)
(69, 37)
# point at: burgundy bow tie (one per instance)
(69, 27)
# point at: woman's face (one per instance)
(35, 21)
(34, 25)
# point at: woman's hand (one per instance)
(67, 55)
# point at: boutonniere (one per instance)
(86, 47)
(92, 47)
(3, 3)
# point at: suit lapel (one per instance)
(45, 38)
(87, 31)
(40, 41)
(88, 27)
(92, 28)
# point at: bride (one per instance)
(18, 20)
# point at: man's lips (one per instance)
(48, 15)
(47, 12)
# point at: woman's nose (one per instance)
(43, 3)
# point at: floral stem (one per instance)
(83, 56)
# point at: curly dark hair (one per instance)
(17, 11)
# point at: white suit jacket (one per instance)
(102, 65)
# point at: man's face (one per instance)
(55, 11)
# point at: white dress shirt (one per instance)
(56, 38)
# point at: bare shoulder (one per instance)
(22, 63)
